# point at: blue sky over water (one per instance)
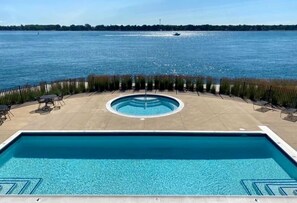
(148, 12)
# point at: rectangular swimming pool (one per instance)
(145, 163)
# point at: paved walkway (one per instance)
(204, 112)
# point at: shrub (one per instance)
(126, 82)
(243, 90)
(213, 89)
(139, 82)
(169, 83)
(279, 92)
(114, 83)
(179, 84)
(209, 82)
(11, 97)
(150, 84)
(164, 82)
(199, 85)
(157, 83)
(251, 92)
(56, 88)
(190, 83)
(81, 86)
(42, 87)
(235, 89)
(225, 86)
(28, 93)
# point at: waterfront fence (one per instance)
(278, 92)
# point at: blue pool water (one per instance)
(145, 105)
(26, 57)
(145, 164)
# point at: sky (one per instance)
(139, 12)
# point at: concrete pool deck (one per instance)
(204, 112)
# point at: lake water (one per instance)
(26, 57)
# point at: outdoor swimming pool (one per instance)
(145, 105)
(145, 163)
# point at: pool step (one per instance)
(136, 102)
(6, 188)
(288, 190)
(14, 186)
(280, 187)
(145, 105)
(142, 103)
(150, 103)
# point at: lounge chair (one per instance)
(262, 104)
(289, 111)
(265, 101)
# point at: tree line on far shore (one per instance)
(206, 27)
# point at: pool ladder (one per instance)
(268, 187)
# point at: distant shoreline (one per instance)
(88, 27)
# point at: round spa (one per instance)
(145, 105)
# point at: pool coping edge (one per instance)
(280, 143)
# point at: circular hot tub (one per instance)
(145, 105)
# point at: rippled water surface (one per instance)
(26, 57)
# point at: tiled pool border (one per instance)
(273, 137)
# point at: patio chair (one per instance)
(6, 112)
(59, 99)
(2, 117)
(40, 101)
(9, 110)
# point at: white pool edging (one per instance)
(109, 108)
(280, 142)
(147, 199)
(10, 139)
